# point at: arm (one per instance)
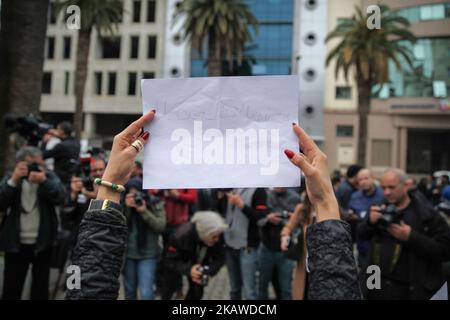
(99, 253)
(177, 258)
(156, 220)
(103, 233)
(217, 258)
(7, 194)
(52, 189)
(259, 206)
(331, 265)
(55, 152)
(434, 247)
(293, 221)
(190, 196)
(364, 229)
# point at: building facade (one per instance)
(409, 122)
(116, 66)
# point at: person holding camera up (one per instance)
(65, 153)
(146, 220)
(29, 196)
(196, 250)
(281, 203)
(409, 241)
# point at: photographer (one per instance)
(65, 153)
(409, 241)
(281, 202)
(97, 168)
(102, 237)
(29, 197)
(196, 250)
(146, 220)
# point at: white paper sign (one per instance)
(221, 132)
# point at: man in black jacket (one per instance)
(410, 249)
(66, 153)
(29, 197)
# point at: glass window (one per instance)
(67, 47)
(134, 47)
(151, 54)
(52, 13)
(50, 48)
(47, 83)
(110, 48)
(426, 12)
(148, 75)
(98, 83)
(343, 92)
(381, 153)
(151, 9)
(136, 11)
(132, 77)
(344, 131)
(66, 82)
(430, 65)
(112, 83)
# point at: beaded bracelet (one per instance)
(114, 186)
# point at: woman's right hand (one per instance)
(313, 162)
(285, 242)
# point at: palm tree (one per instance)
(225, 24)
(22, 39)
(104, 16)
(368, 53)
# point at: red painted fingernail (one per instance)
(154, 110)
(289, 153)
(146, 135)
(293, 123)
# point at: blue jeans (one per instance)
(268, 259)
(139, 274)
(242, 266)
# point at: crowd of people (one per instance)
(259, 235)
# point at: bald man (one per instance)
(408, 253)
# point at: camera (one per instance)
(204, 270)
(29, 127)
(138, 198)
(88, 183)
(285, 216)
(390, 215)
(33, 167)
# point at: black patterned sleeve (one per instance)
(99, 254)
(332, 267)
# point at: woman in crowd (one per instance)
(103, 233)
(302, 217)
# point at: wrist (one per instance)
(105, 193)
(328, 209)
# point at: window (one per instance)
(134, 47)
(110, 48)
(136, 11)
(132, 76)
(50, 48)
(151, 10)
(66, 82)
(148, 75)
(344, 131)
(151, 47)
(67, 47)
(111, 83)
(343, 92)
(47, 83)
(381, 153)
(52, 13)
(98, 83)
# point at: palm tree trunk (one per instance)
(22, 40)
(84, 43)
(364, 89)
(214, 63)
